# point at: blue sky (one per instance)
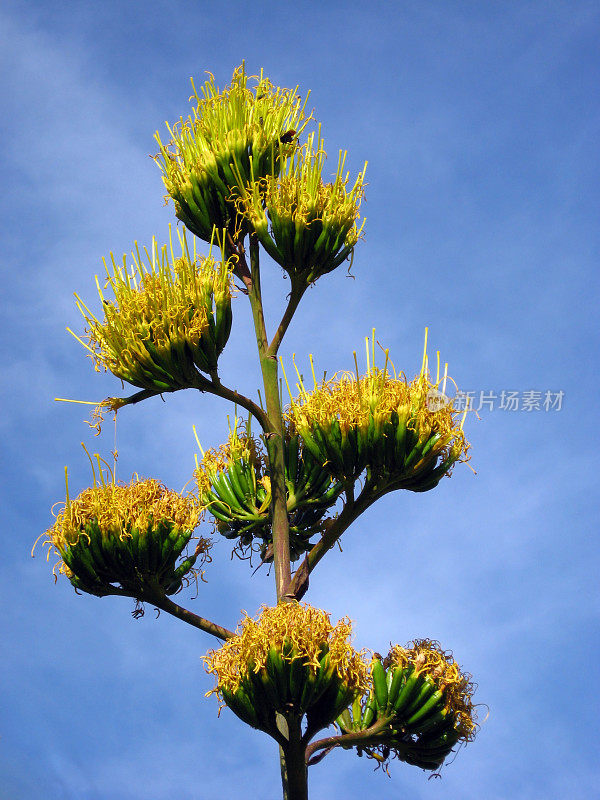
(480, 122)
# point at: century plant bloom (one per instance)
(116, 538)
(307, 226)
(418, 709)
(232, 136)
(234, 486)
(231, 483)
(290, 659)
(170, 318)
(426, 659)
(406, 435)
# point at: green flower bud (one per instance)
(234, 486)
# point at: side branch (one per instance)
(241, 270)
(351, 511)
(358, 737)
(295, 296)
(218, 389)
(166, 604)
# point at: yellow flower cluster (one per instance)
(118, 508)
(311, 226)
(303, 630)
(353, 401)
(116, 538)
(407, 435)
(428, 658)
(169, 316)
(232, 135)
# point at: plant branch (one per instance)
(351, 511)
(240, 270)
(296, 294)
(218, 389)
(356, 737)
(166, 604)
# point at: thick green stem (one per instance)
(275, 449)
(295, 775)
(274, 434)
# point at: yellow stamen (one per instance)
(82, 402)
(298, 374)
(87, 347)
(373, 348)
(197, 440)
(424, 364)
(312, 366)
(67, 488)
(285, 377)
(91, 462)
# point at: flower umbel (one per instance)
(231, 137)
(307, 226)
(382, 423)
(430, 662)
(291, 659)
(118, 538)
(169, 321)
(418, 709)
(234, 486)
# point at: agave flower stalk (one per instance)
(231, 137)
(241, 177)
(168, 322)
(307, 226)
